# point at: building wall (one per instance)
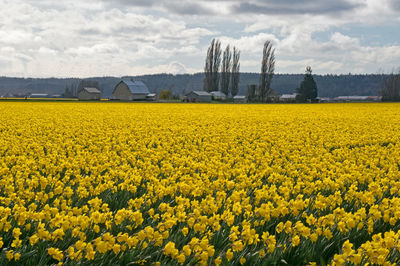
(84, 95)
(122, 92)
(192, 97)
(139, 96)
(240, 100)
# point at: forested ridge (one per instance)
(328, 85)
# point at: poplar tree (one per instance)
(267, 71)
(235, 72)
(211, 68)
(226, 70)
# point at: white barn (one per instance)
(128, 90)
(89, 94)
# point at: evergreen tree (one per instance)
(308, 88)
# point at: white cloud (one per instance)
(96, 37)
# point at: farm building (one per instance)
(128, 90)
(86, 94)
(151, 97)
(218, 95)
(38, 95)
(288, 97)
(198, 96)
(357, 99)
(240, 99)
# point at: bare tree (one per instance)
(211, 69)
(208, 68)
(226, 70)
(235, 72)
(267, 71)
(391, 87)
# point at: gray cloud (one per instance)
(211, 7)
(188, 8)
(296, 7)
(395, 4)
(181, 7)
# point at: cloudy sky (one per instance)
(76, 38)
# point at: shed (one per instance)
(218, 95)
(87, 94)
(288, 97)
(128, 90)
(151, 97)
(198, 96)
(240, 99)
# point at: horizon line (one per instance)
(192, 74)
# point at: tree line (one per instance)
(391, 88)
(227, 81)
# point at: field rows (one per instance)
(115, 183)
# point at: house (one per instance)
(86, 94)
(218, 95)
(288, 97)
(240, 99)
(198, 96)
(128, 90)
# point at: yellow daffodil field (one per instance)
(208, 184)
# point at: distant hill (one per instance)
(328, 85)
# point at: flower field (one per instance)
(120, 183)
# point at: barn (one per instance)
(198, 96)
(218, 95)
(128, 90)
(86, 94)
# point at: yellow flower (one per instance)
(55, 253)
(17, 256)
(186, 250)
(181, 258)
(10, 255)
(242, 260)
(237, 246)
(314, 237)
(261, 254)
(116, 248)
(229, 254)
(185, 231)
(218, 261)
(296, 240)
(90, 252)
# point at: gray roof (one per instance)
(200, 93)
(91, 90)
(136, 87)
(239, 97)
